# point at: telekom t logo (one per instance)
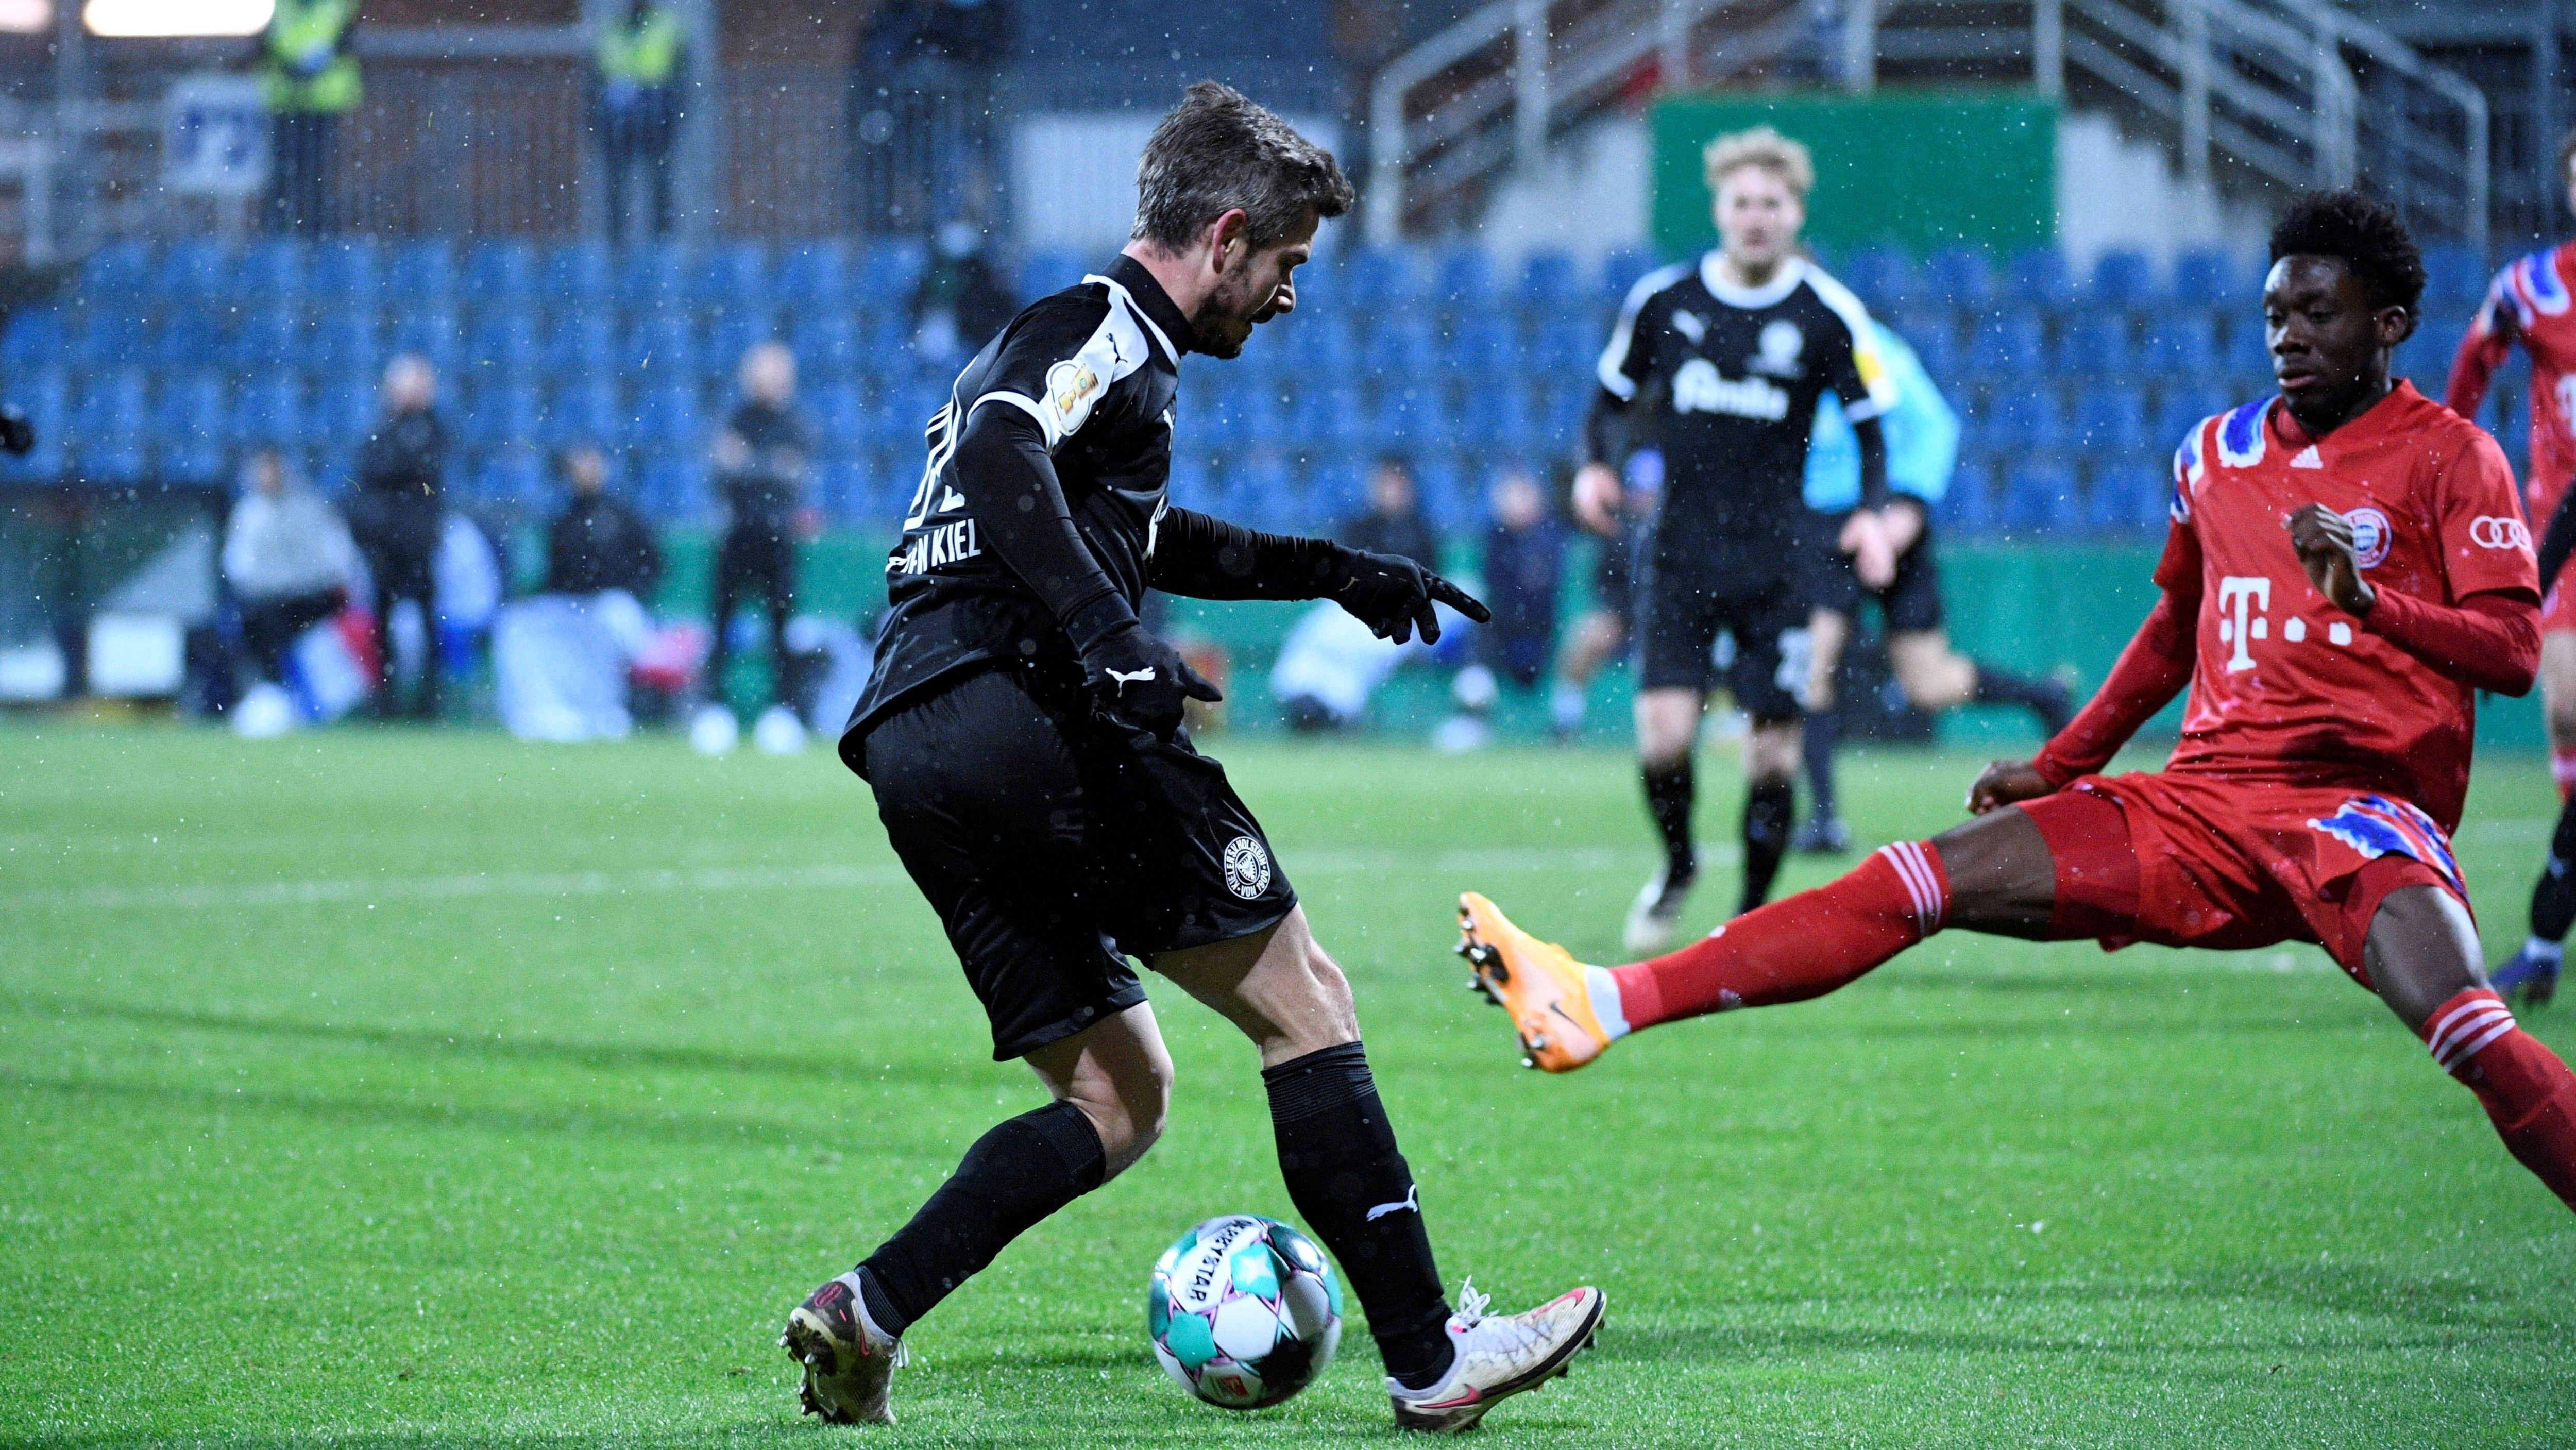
(2242, 598)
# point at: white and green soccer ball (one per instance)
(1244, 1311)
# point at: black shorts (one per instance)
(1680, 613)
(1912, 602)
(1055, 847)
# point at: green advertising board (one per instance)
(1920, 170)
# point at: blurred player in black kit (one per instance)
(760, 469)
(1721, 363)
(1023, 735)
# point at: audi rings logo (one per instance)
(2490, 531)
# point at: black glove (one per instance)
(1393, 596)
(16, 434)
(1138, 680)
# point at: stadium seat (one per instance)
(348, 271)
(2128, 500)
(585, 410)
(269, 337)
(2040, 499)
(269, 412)
(2111, 422)
(826, 343)
(732, 332)
(580, 276)
(1548, 281)
(34, 335)
(672, 487)
(2454, 277)
(1331, 416)
(654, 276)
(1052, 270)
(2123, 278)
(346, 340)
(1194, 485)
(1959, 276)
(1882, 278)
(119, 268)
(45, 394)
(814, 277)
(666, 417)
(192, 418)
(273, 272)
(888, 271)
(2426, 357)
(2181, 339)
(111, 425)
(2008, 345)
(1967, 510)
(502, 270)
(2094, 342)
(1265, 492)
(188, 338)
(1402, 346)
(1381, 278)
(2211, 277)
(504, 412)
(2186, 405)
(1461, 277)
(344, 409)
(734, 275)
(421, 274)
(2022, 421)
(196, 269)
(514, 475)
(582, 341)
(1933, 333)
(662, 345)
(110, 332)
(1620, 271)
(1336, 488)
(2248, 358)
(840, 417)
(429, 331)
(2040, 277)
(1479, 346)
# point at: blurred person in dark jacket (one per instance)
(760, 456)
(598, 542)
(921, 109)
(287, 557)
(1394, 522)
(961, 301)
(1524, 565)
(642, 57)
(396, 513)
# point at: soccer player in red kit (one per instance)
(2529, 303)
(2335, 589)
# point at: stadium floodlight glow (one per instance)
(173, 17)
(26, 17)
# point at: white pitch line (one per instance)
(205, 895)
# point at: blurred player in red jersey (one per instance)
(2529, 304)
(2339, 579)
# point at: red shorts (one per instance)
(2194, 861)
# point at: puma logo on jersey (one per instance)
(1123, 678)
(1690, 325)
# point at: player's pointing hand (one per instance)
(1393, 596)
(1137, 679)
(2325, 544)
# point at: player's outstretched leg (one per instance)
(1823, 833)
(1802, 946)
(1347, 1177)
(1111, 1083)
(2422, 955)
(2531, 974)
(1667, 735)
(2047, 700)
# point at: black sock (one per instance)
(2046, 699)
(1769, 806)
(1669, 789)
(2553, 896)
(1337, 1152)
(1016, 1174)
(1821, 732)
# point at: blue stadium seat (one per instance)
(1881, 278)
(1382, 277)
(840, 418)
(111, 425)
(348, 270)
(2426, 357)
(1933, 333)
(1620, 271)
(1564, 402)
(2040, 499)
(2095, 343)
(117, 269)
(1548, 281)
(2009, 344)
(654, 276)
(501, 270)
(196, 269)
(586, 410)
(503, 412)
(580, 275)
(1332, 416)
(346, 340)
(2111, 422)
(733, 275)
(191, 422)
(1194, 484)
(34, 335)
(1402, 346)
(2248, 359)
(1968, 509)
(2040, 277)
(662, 345)
(2186, 405)
(1461, 277)
(429, 331)
(2128, 499)
(273, 272)
(2022, 421)
(1440, 483)
(270, 411)
(826, 343)
(732, 332)
(889, 270)
(45, 394)
(582, 341)
(842, 485)
(1323, 344)
(108, 333)
(1266, 492)
(1052, 270)
(1959, 276)
(1336, 488)
(187, 339)
(2182, 339)
(271, 337)
(1479, 345)
(2123, 278)
(2454, 277)
(672, 486)
(344, 408)
(421, 274)
(2209, 276)
(514, 475)
(814, 277)
(666, 417)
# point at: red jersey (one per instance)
(2529, 303)
(2288, 689)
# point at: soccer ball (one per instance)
(1243, 1311)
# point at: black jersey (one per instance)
(1730, 377)
(1096, 365)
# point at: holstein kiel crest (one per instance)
(1247, 867)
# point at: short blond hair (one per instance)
(1763, 147)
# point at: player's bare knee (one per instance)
(1127, 1106)
(2000, 875)
(2421, 951)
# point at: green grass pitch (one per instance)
(388, 1088)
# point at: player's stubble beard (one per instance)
(1232, 310)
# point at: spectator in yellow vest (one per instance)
(640, 59)
(309, 78)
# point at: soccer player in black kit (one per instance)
(1023, 734)
(1721, 362)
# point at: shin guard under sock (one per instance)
(1801, 947)
(1019, 1172)
(2553, 896)
(1669, 791)
(2527, 1091)
(1822, 733)
(1337, 1152)
(1769, 807)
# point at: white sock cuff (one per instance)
(1603, 988)
(2544, 951)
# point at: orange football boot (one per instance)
(1539, 983)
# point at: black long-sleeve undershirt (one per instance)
(1208, 558)
(1600, 444)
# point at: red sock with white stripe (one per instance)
(1800, 947)
(2527, 1091)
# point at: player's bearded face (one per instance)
(1758, 217)
(1259, 286)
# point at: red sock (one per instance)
(1801, 947)
(2562, 764)
(2527, 1091)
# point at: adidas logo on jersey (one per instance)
(2308, 458)
(1698, 388)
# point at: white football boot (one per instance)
(1497, 1358)
(849, 1363)
(1657, 912)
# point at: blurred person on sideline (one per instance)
(1600, 634)
(760, 458)
(960, 298)
(642, 58)
(308, 78)
(1524, 569)
(397, 513)
(1393, 523)
(598, 542)
(921, 109)
(288, 558)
